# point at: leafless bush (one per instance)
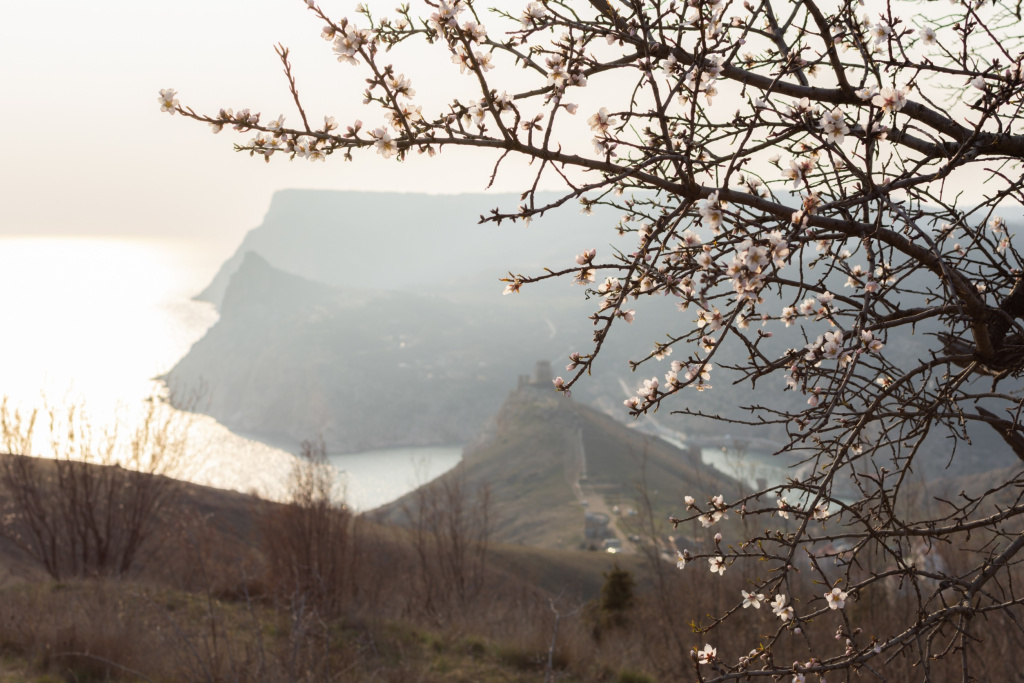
(450, 531)
(308, 541)
(94, 508)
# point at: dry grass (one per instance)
(94, 629)
(226, 600)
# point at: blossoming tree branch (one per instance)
(813, 185)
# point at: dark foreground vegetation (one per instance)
(228, 587)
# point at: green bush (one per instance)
(617, 592)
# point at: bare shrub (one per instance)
(450, 531)
(307, 541)
(94, 508)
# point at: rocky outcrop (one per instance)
(527, 459)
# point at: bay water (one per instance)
(95, 321)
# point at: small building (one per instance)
(542, 373)
(595, 525)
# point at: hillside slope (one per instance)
(223, 529)
(542, 451)
(364, 369)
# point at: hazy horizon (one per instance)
(97, 75)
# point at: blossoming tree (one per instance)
(815, 185)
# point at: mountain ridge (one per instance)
(341, 358)
(403, 241)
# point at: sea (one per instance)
(93, 322)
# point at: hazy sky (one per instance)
(88, 150)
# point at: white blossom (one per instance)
(891, 100)
(534, 15)
(601, 147)
(384, 145)
(600, 121)
(815, 397)
(347, 45)
(711, 212)
(836, 598)
(880, 32)
(278, 123)
(461, 58)
(701, 373)
(586, 257)
(476, 114)
(168, 103)
(484, 60)
(799, 169)
(752, 600)
(400, 85)
(832, 344)
(835, 126)
(867, 93)
(474, 31)
(781, 609)
(870, 343)
(585, 276)
(446, 16)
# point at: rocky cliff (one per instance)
(296, 359)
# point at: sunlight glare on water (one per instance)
(93, 316)
(94, 321)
